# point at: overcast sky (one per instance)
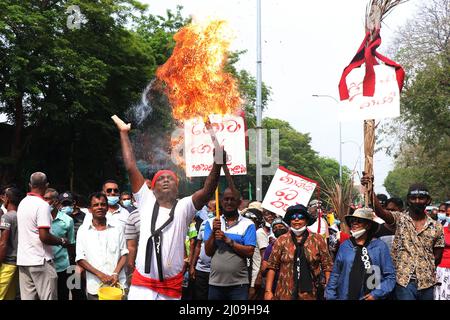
(305, 47)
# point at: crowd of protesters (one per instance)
(156, 246)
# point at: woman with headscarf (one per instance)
(363, 268)
(299, 256)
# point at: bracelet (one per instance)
(114, 273)
(268, 291)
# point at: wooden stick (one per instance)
(217, 203)
(208, 126)
(369, 145)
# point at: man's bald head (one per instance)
(38, 180)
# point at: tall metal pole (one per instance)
(340, 153)
(258, 106)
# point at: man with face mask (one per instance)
(441, 214)
(126, 201)
(278, 227)
(63, 227)
(116, 214)
(418, 244)
(229, 241)
(263, 229)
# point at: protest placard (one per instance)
(287, 189)
(385, 102)
(229, 131)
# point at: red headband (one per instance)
(160, 173)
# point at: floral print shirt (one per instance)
(282, 259)
(412, 251)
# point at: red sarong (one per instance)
(171, 287)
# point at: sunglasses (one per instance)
(357, 220)
(109, 190)
(299, 216)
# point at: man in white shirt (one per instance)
(37, 274)
(101, 249)
(116, 213)
(163, 226)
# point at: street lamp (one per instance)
(340, 134)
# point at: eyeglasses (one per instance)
(109, 190)
(297, 216)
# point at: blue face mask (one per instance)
(66, 210)
(126, 203)
(211, 214)
(448, 219)
(112, 201)
(441, 216)
(338, 222)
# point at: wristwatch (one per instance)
(63, 241)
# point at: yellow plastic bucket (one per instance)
(110, 293)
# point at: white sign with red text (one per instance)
(287, 189)
(385, 102)
(229, 131)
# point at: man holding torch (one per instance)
(164, 222)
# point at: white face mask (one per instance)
(358, 234)
(268, 225)
(298, 232)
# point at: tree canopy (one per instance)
(422, 133)
(59, 87)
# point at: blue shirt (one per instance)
(227, 267)
(204, 261)
(383, 277)
(243, 232)
(62, 226)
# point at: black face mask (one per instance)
(279, 232)
(417, 208)
(229, 214)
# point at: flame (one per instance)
(177, 143)
(196, 83)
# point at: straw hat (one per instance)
(363, 213)
(255, 205)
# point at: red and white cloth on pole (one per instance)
(367, 54)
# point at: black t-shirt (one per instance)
(383, 231)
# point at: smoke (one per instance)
(140, 111)
(152, 125)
